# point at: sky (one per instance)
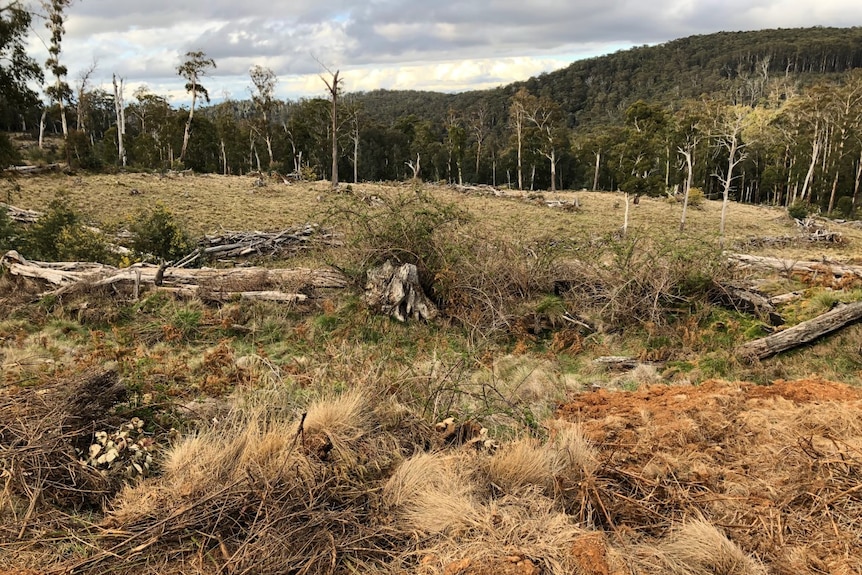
(440, 45)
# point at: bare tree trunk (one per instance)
(856, 183)
(333, 87)
(689, 164)
(42, 128)
(626, 216)
(553, 159)
(223, 158)
(120, 110)
(598, 154)
(187, 131)
(356, 156)
(815, 152)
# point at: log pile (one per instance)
(233, 244)
(810, 232)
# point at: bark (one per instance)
(805, 332)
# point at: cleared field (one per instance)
(190, 434)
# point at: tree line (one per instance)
(765, 117)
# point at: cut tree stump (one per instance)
(395, 291)
(801, 334)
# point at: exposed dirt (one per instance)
(776, 467)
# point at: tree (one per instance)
(544, 114)
(354, 114)
(333, 86)
(264, 81)
(120, 111)
(689, 122)
(16, 69)
(478, 123)
(728, 132)
(195, 66)
(517, 121)
(60, 91)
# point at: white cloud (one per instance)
(444, 45)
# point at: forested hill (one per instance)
(598, 90)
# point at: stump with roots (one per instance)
(394, 290)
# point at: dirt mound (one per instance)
(776, 467)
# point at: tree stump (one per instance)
(395, 291)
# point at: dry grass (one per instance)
(233, 203)
(696, 548)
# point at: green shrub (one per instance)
(845, 207)
(157, 233)
(406, 228)
(695, 197)
(60, 235)
(799, 210)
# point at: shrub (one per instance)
(845, 207)
(695, 197)
(157, 233)
(405, 227)
(799, 210)
(60, 235)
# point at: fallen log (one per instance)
(832, 269)
(291, 284)
(805, 332)
(31, 170)
(231, 244)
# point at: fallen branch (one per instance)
(803, 333)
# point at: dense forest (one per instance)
(771, 116)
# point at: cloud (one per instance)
(442, 45)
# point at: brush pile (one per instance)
(43, 434)
(253, 243)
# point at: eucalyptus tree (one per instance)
(194, 67)
(544, 114)
(518, 123)
(59, 92)
(263, 97)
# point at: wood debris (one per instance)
(232, 244)
(20, 215)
